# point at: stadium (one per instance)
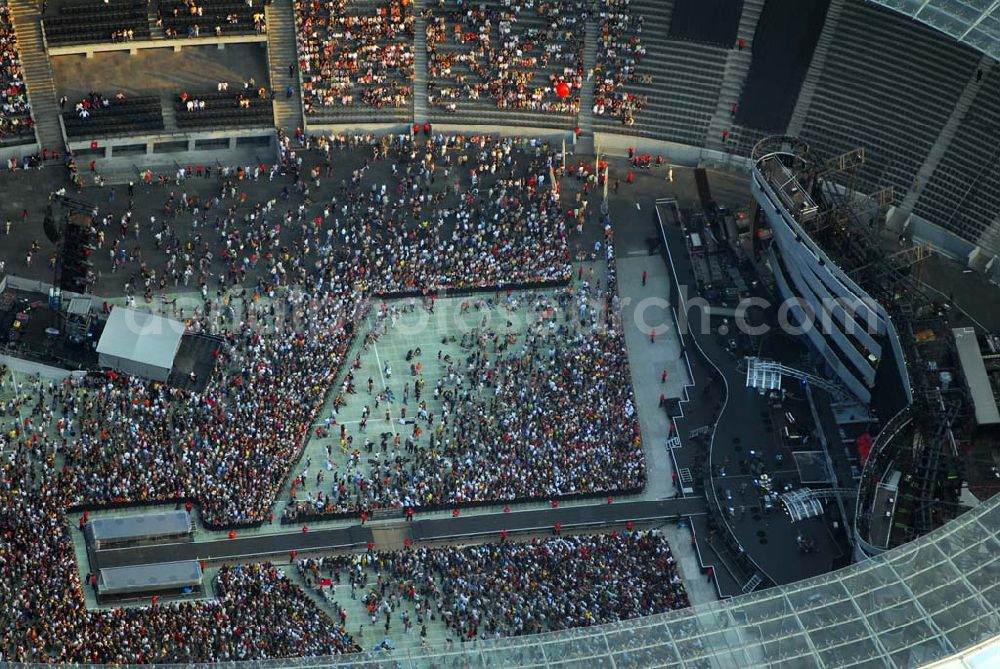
(528, 333)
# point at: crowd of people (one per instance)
(619, 52)
(507, 588)
(282, 340)
(457, 211)
(513, 55)
(351, 55)
(258, 612)
(94, 101)
(15, 110)
(187, 17)
(543, 414)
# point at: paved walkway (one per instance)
(648, 310)
(463, 528)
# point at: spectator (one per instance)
(509, 588)
(350, 59)
(619, 53)
(15, 110)
(513, 56)
(458, 211)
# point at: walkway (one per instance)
(648, 310)
(281, 54)
(464, 527)
(585, 118)
(420, 111)
(734, 76)
(816, 68)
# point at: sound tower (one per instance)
(50, 226)
(76, 269)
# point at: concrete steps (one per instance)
(734, 75)
(281, 52)
(169, 115)
(155, 31)
(808, 91)
(748, 20)
(420, 112)
(37, 74)
(585, 119)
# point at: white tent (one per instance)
(139, 344)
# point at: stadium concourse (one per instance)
(275, 259)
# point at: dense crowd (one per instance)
(15, 111)
(44, 618)
(282, 339)
(457, 211)
(545, 414)
(509, 588)
(513, 55)
(348, 57)
(619, 52)
(228, 446)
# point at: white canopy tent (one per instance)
(137, 343)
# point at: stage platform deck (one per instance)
(164, 577)
(120, 531)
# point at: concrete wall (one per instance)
(551, 134)
(676, 154)
(19, 151)
(133, 47)
(113, 147)
(944, 242)
(33, 286)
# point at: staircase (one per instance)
(420, 113)
(281, 52)
(734, 76)
(585, 118)
(37, 74)
(947, 134)
(169, 116)
(155, 31)
(752, 584)
(816, 67)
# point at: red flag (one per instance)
(325, 582)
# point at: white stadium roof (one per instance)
(972, 22)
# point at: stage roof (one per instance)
(150, 577)
(974, 370)
(141, 337)
(140, 526)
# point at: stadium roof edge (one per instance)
(975, 23)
